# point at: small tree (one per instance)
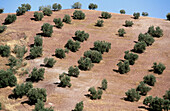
(27, 6)
(2, 28)
(128, 23)
(94, 55)
(10, 19)
(140, 47)
(38, 41)
(85, 63)
(143, 89)
(147, 38)
(104, 84)
(38, 16)
(37, 74)
(47, 11)
(106, 15)
(67, 19)
(58, 22)
(155, 33)
(56, 6)
(39, 106)
(136, 15)
(36, 94)
(72, 46)
(121, 32)
(99, 23)
(131, 57)
(76, 5)
(60, 53)
(65, 80)
(1, 10)
(168, 16)
(81, 35)
(78, 14)
(132, 95)
(47, 29)
(35, 52)
(21, 10)
(102, 46)
(92, 6)
(73, 71)
(167, 95)
(123, 67)
(122, 11)
(49, 62)
(79, 106)
(4, 50)
(145, 14)
(158, 68)
(95, 94)
(149, 79)
(12, 62)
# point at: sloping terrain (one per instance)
(65, 99)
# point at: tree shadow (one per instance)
(27, 102)
(143, 107)
(100, 17)
(41, 34)
(135, 41)
(58, 84)
(29, 57)
(6, 23)
(12, 96)
(115, 70)
(42, 65)
(136, 52)
(151, 70)
(31, 45)
(88, 96)
(75, 38)
(121, 60)
(32, 19)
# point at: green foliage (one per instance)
(39, 106)
(94, 55)
(158, 68)
(148, 100)
(7, 78)
(47, 29)
(22, 89)
(2, 28)
(47, 11)
(66, 50)
(92, 6)
(0, 106)
(21, 10)
(158, 32)
(67, 19)
(104, 84)
(121, 32)
(78, 14)
(106, 15)
(58, 22)
(49, 62)
(60, 53)
(140, 47)
(102, 46)
(167, 95)
(38, 41)
(76, 5)
(143, 89)
(168, 16)
(123, 67)
(95, 94)
(122, 11)
(79, 106)
(56, 6)
(27, 6)
(99, 23)
(147, 38)
(136, 15)
(73, 71)
(37, 74)
(132, 95)
(85, 63)
(41, 8)
(131, 57)
(38, 16)
(10, 18)
(128, 23)
(12, 61)
(65, 80)
(36, 94)
(1, 10)
(4, 50)
(81, 35)
(149, 79)
(72, 46)
(145, 14)
(35, 52)
(19, 51)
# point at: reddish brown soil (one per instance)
(65, 99)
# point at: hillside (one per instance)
(65, 99)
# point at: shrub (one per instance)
(35, 52)
(37, 74)
(85, 63)
(57, 6)
(131, 57)
(73, 71)
(106, 15)
(147, 38)
(36, 94)
(21, 10)
(79, 106)
(136, 15)
(10, 19)
(12, 62)
(22, 89)
(19, 51)
(39, 106)
(67, 19)
(155, 33)
(128, 23)
(60, 53)
(158, 68)
(2, 28)
(38, 41)
(58, 22)
(1, 10)
(122, 11)
(78, 14)
(7, 78)
(81, 35)
(47, 29)
(4, 50)
(145, 14)
(149, 79)
(92, 6)
(104, 84)
(95, 94)
(121, 32)
(167, 95)
(94, 55)
(102, 46)
(49, 62)
(65, 80)
(47, 11)
(123, 67)
(38, 16)
(168, 16)
(132, 95)
(72, 46)
(143, 89)
(99, 23)
(76, 5)
(140, 47)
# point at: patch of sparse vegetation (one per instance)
(158, 68)
(85, 63)
(106, 15)
(72, 46)
(49, 62)
(20, 51)
(78, 14)
(92, 6)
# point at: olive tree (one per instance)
(106, 15)
(92, 6)
(72, 46)
(5, 50)
(139, 47)
(64, 80)
(76, 5)
(36, 51)
(60, 53)
(79, 106)
(49, 62)
(102, 46)
(132, 95)
(78, 14)
(121, 32)
(122, 11)
(104, 84)
(73, 71)
(123, 67)
(58, 22)
(2, 28)
(37, 74)
(99, 23)
(67, 19)
(56, 6)
(147, 38)
(47, 29)
(131, 57)
(155, 32)
(94, 55)
(85, 63)
(168, 16)
(143, 89)
(158, 68)
(47, 11)
(81, 35)
(38, 16)
(149, 79)
(128, 23)
(95, 94)
(136, 15)
(10, 18)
